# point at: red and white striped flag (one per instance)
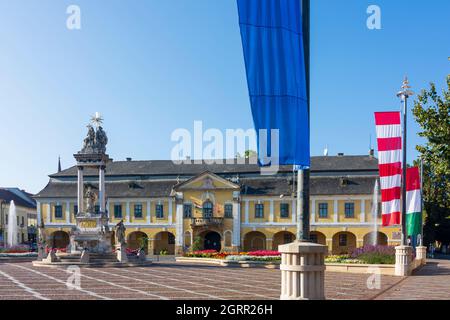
(389, 136)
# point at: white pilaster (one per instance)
(271, 216)
(128, 212)
(170, 211)
(67, 212)
(363, 211)
(313, 211)
(38, 212)
(179, 225)
(236, 224)
(49, 212)
(149, 212)
(246, 211)
(336, 211)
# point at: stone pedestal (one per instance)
(84, 256)
(302, 271)
(41, 253)
(121, 253)
(403, 261)
(421, 254)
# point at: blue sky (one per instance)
(151, 66)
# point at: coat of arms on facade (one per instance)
(208, 183)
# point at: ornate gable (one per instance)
(207, 181)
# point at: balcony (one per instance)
(203, 222)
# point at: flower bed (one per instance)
(254, 258)
(15, 249)
(342, 259)
(366, 255)
(19, 255)
(374, 254)
(236, 256)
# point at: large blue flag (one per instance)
(272, 40)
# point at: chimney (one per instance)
(371, 153)
(129, 159)
(340, 154)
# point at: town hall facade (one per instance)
(224, 207)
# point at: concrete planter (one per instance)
(384, 269)
(229, 263)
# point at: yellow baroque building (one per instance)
(226, 207)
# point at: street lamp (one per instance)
(404, 94)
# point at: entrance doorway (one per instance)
(212, 241)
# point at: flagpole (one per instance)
(300, 183)
(303, 227)
(421, 201)
(404, 94)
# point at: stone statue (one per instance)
(101, 140)
(96, 139)
(89, 141)
(91, 198)
(120, 233)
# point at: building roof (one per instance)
(20, 197)
(168, 168)
(341, 175)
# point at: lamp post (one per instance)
(404, 94)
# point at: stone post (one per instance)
(421, 254)
(403, 260)
(80, 190)
(303, 271)
(85, 256)
(121, 252)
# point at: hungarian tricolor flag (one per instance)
(389, 139)
(413, 202)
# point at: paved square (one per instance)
(170, 280)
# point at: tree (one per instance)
(432, 113)
(250, 154)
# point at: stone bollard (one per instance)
(121, 253)
(403, 261)
(303, 271)
(85, 256)
(421, 254)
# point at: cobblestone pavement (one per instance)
(431, 282)
(171, 280)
